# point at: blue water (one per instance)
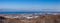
(24, 12)
(17, 12)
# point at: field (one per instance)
(39, 19)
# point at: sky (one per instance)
(30, 5)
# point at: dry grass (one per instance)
(41, 19)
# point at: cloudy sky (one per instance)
(30, 5)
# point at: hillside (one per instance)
(40, 19)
